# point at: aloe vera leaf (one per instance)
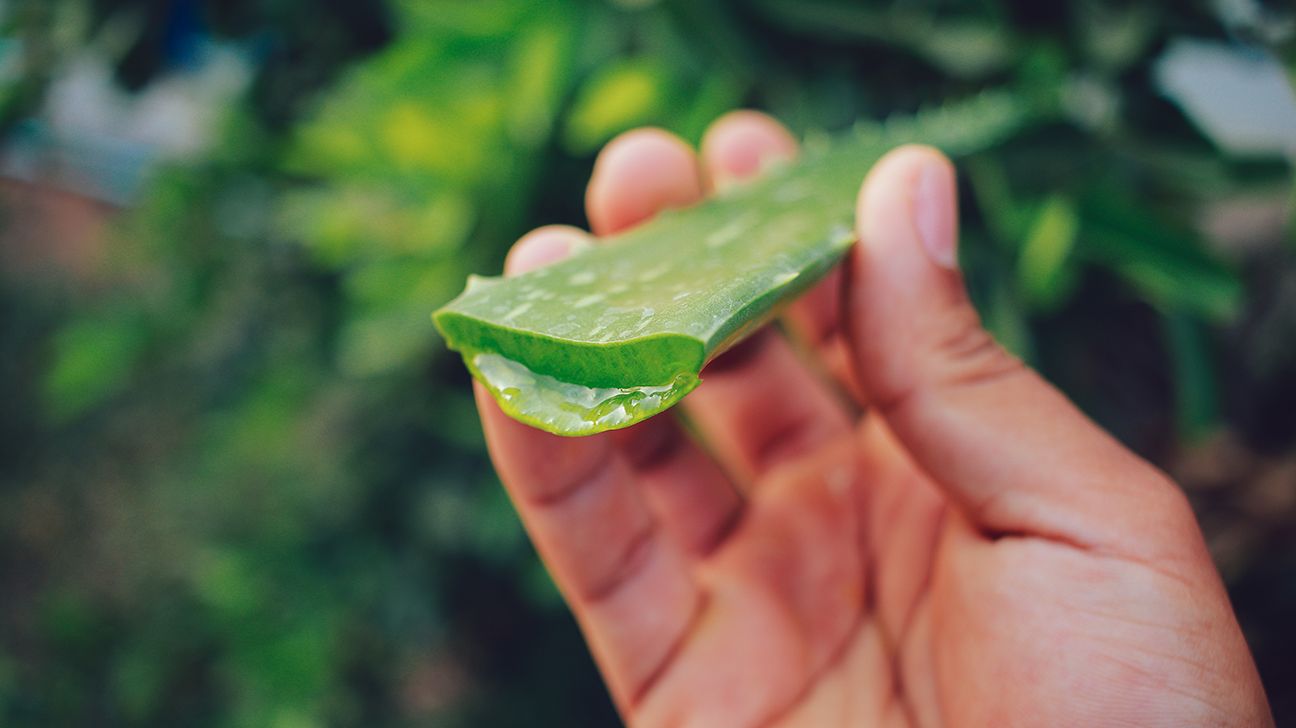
(619, 332)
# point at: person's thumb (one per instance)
(1004, 445)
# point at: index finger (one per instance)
(631, 588)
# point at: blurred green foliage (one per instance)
(243, 481)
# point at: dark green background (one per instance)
(242, 481)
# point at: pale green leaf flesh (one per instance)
(619, 332)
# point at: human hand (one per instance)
(971, 551)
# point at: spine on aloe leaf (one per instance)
(620, 332)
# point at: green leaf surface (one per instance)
(621, 331)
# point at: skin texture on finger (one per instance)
(1007, 447)
(637, 175)
(905, 514)
(787, 591)
(581, 505)
(691, 495)
(814, 320)
(582, 509)
(544, 246)
(859, 690)
(740, 145)
(759, 407)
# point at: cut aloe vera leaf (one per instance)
(619, 332)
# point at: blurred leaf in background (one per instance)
(243, 483)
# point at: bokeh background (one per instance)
(241, 479)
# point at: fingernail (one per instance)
(935, 212)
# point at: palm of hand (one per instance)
(972, 552)
(877, 604)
